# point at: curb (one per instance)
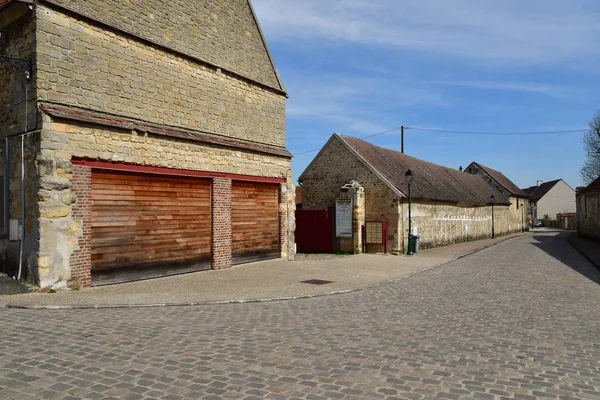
(262, 300)
(581, 251)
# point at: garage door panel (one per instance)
(255, 221)
(147, 225)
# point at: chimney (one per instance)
(460, 168)
(539, 183)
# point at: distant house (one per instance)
(448, 206)
(519, 200)
(550, 198)
(588, 210)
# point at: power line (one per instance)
(497, 133)
(364, 137)
(460, 133)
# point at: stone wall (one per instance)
(83, 65)
(588, 214)
(442, 224)
(221, 32)
(62, 225)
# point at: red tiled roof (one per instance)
(431, 181)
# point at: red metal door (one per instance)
(314, 231)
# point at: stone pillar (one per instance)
(81, 212)
(355, 192)
(221, 223)
(287, 220)
(358, 217)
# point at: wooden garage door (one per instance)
(145, 225)
(254, 221)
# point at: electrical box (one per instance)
(14, 230)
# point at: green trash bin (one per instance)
(414, 242)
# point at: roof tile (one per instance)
(503, 181)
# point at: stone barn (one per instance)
(142, 139)
(448, 206)
(519, 200)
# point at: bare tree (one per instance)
(591, 145)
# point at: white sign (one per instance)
(343, 218)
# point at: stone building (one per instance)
(550, 198)
(519, 200)
(153, 135)
(448, 206)
(588, 210)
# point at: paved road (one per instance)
(519, 320)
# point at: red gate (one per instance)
(314, 231)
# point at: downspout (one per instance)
(20, 65)
(289, 222)
(23, 203)
(6, 186)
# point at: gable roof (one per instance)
(594, 186)
(430, 182)
(500, 179)
(537, 192)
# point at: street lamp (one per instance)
(409, 177)
(493, 233)
(522, 219)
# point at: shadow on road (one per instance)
(559, 247)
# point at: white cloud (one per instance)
(356, 104)
(527, 87)
(509, 31)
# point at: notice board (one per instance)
(343, 218)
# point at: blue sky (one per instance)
(360, 67)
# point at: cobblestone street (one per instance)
(519, 320)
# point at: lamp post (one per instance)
(409, 177)
(493, 233)
(522, 219)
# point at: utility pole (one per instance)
(402, 140)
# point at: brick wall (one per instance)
(83, 65)
(221, 32)
(221, 223)
(81, 260)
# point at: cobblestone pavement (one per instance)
(519, 320)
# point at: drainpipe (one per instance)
(289, 222)
(24, 66)
(23, 203)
